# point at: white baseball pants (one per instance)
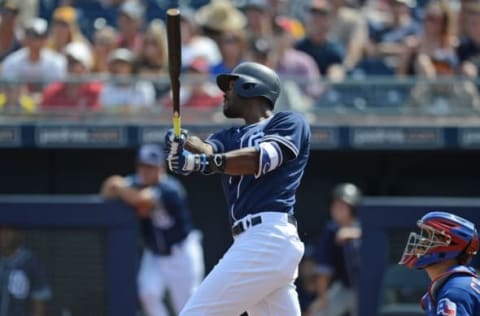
(256, 274)
(180, 273)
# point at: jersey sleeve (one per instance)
(289, 131)
(455, 301)
(218, 141)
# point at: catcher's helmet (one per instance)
(253, 80)
(348, 193)
(443, 236)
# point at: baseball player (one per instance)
(172, 258)
(261, 164)
(24, 289)
(338, 256)
(444, 247)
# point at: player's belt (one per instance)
(243, 225)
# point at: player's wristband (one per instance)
(207, 164)
(216, 163)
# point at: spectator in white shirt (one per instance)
(122, 93)
(34, 63)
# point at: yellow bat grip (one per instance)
(176, 124)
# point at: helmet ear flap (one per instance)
(249, 87)
(470, 250)
(473, 245)
(464, 258)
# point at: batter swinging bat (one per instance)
(174, 63)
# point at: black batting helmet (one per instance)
(348, 193)
(253, 80)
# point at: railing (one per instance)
(357, 98)
(358, 113)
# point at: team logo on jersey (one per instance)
(255, 139)
(18, 284)
(446, 308)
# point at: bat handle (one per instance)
(176, 124)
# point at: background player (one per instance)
(24, 288)
(173, 257)
(444, 247)
(338, 256)
(261, 164)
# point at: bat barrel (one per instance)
(174, 62)
(174, 41)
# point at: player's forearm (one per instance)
(242, 161)
(195, 145)
(140, 199)
(237, 162)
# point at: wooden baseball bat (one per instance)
(174, 63)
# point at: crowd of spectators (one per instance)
(120, 47)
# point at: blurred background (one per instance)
(390, 88)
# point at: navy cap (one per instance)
(151, 155)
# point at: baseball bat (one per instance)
(174, 63)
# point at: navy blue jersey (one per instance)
(22, 279)
(170, 221)
(455, 293)
(341, 261)
(273, 191)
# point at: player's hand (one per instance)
(170, 136)
(346, 234)
(185, 162)
(182, 161)
(177, 157)
(111, 186)
(176, 144)
(178, 162)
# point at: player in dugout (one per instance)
(24, 288)
(261, 164)
(173, 257)
(338, 256)
(444, 248)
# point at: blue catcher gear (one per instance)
(252, 80)
(443, 236)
